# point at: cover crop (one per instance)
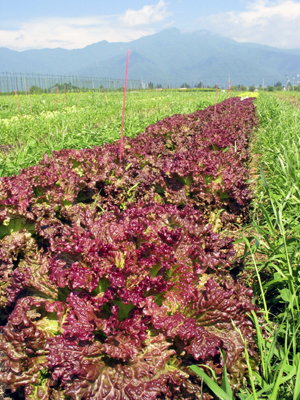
(118, 303)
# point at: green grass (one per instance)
(276, 216)
(276, 222)
(97, 120)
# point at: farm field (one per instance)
(266, 236)
(97, 120)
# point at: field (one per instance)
(97, 120)
(267, 242)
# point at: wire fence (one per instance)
(38, 83)
(46, 83)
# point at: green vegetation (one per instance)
(274, 254)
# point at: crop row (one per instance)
(113, 281)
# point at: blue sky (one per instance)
(36, 24)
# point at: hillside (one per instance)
(168, 57)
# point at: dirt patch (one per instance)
(5, 148)
(294, 100)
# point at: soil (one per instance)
(294, 100)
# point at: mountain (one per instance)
(168, 57)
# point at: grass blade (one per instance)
(225, 381)
(278, 379)
(296, 395)
(263, 178)
(261, 345)
(219, 392)
(258, 277)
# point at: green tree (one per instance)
(61, 87)
(158, 86)
(277, 84)
(150, 85)
(35, 90)
(200, 85)
(185, 85)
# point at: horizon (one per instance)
(75, 25)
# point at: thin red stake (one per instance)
(121, 143)
(65, 95)
(230, 93)
(227, 98)
(78, 98)
(18, 104)
(29, 101)
(56, 98)
(216, 100)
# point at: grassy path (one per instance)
(273, 248)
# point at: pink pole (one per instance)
(216, 100)
(125, 86)
(227, 98)
(18, 104)
(230, 93)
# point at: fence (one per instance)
(21, 82)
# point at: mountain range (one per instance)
(168, 57)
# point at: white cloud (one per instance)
(71, 33)
(148, 15)
(275, 23)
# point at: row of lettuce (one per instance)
(114, 279)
